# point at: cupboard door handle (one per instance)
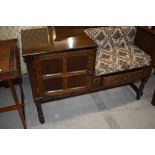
(90, 72)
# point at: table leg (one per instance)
(14, 94)
(22, 100)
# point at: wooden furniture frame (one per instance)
(61, 63)
(10, 72)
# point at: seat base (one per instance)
(120, 59)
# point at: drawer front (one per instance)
(64, 73)
(97, 82)
(123, 78)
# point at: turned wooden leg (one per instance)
(139, 91)
(153, 99)
(40, 113)
(141, 88)
(14, 94)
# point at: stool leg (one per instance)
(14, 94)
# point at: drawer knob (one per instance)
(125, 78)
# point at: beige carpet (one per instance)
(139, 114)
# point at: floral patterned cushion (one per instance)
(112, 36)
(120, 59)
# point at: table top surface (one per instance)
(8, 62)
(57, 39)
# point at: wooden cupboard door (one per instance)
(79, 66)
(77, 63)
(50, 71)
(51, 66)
(64, 73)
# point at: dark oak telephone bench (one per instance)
(65, 61)
(10, 71)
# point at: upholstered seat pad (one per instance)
(120, 59)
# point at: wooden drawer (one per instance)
(123, 78)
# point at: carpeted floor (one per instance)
(113, 108)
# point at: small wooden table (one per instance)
(10, 71)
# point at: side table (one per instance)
(10, 71)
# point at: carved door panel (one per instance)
(65, 73)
